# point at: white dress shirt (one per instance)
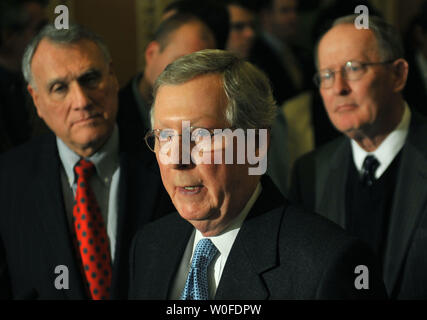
(223, 242)
(105, 183)
(388, 149)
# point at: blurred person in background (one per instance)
(20, 20)
(178, 35)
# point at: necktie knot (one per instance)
(84, 168)
(196, 286)
(204, 253)
(370, 165)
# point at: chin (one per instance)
(194, 213)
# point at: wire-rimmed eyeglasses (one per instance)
(157, 138)
(351, 70)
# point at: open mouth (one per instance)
(190, 190)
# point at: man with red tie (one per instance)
(73, 198)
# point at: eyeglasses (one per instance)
(203, 138)
(352, 71)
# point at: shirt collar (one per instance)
(105, 160)
(224, 241)
(388, 149)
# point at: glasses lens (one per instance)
(325, 78)
(354, 70)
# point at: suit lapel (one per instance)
(166, 257)
(410, 196)
(52, 216)
(331, 202)
(255, 249)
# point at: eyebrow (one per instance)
(64, 80)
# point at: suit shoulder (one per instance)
(418, 132)
(327, 257)
(25, 154)
(312, 230)
(323, 151)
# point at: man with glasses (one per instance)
(372, 181)
(234, 235)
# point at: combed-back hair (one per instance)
(74, 34)
(250, 100)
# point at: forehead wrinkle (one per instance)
(86, 58)
(346, 39)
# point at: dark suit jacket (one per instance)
(280, 252)
(34, 231)
(319, 181)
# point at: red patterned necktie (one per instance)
(91, 233)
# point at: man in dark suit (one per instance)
(242, 239)
(64, 234)
(180, 34)
(373, 180)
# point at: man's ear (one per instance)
(34, 94)
(400, 74)
(151, 51)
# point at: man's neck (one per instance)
(371, 138)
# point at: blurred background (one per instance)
(128, 25)
(278, 36)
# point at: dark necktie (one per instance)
(370, 165)
(91, 234)
(196, 286)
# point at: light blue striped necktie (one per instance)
(196, 286)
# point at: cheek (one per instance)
(328, 101)
(54, 114)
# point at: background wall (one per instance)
(127, 25)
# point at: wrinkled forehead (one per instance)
(201, 100)
(344, 43)
(51, 52)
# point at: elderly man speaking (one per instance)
(235, 236)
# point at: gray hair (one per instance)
(390, 46)
(250, 100)
(74, 34)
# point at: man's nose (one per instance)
(341, 86)
(80, 97)
(181, 151)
